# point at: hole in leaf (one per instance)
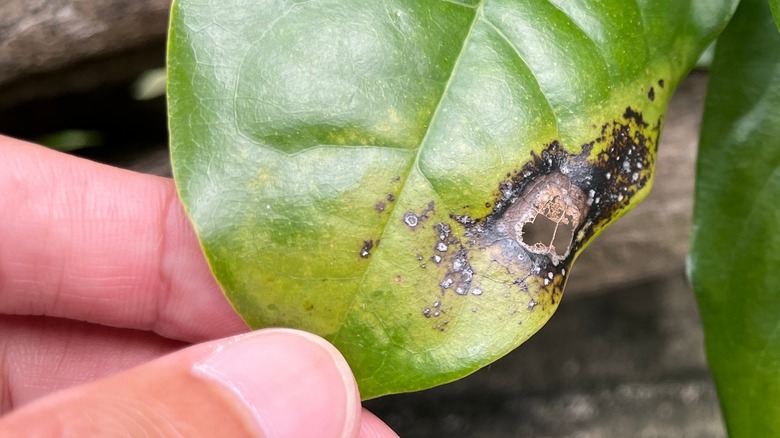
(539, 232)
(544, 234)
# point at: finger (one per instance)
(40, 355)
(273, 383)
(86, 241)
(373, 427)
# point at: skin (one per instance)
(113, 324)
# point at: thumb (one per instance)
(273, 383)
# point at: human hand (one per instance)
(102, 283)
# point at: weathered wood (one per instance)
(43, 35)
(60, 39)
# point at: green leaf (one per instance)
(735, 260)
(413, 179)
(71, 140)
(775, 6)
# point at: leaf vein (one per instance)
(415, 162)
(506, 39)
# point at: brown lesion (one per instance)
(546, 215)
(543, 213)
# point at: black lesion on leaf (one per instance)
(574, 194)
(412, 219)
(365, 251)
(556, 193)
(651, 94)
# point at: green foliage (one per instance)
(71, 140)
(735, 258)
(382, 172)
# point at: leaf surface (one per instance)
(735, 256)
(413, 179)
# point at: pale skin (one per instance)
(112, 323)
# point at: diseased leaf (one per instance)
(735, 259)
(413, 179)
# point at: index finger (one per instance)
(86, 241)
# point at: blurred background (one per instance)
(622, 357)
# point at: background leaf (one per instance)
(735, 257)
(775, 6)
(380, 173)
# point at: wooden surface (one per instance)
(52, 46)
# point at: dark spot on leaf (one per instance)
(412, 220)
(308, 306)
(543, 213)
(390, 197)
(661, 83)
(548, 209)
(380, 206)
(365, 251)
(651, 94)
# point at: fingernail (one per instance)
(291, 382)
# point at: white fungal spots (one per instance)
(532, 304)
(457, 264)
(411, 219)
(441, 246)
(446, 283)
(476, 291)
